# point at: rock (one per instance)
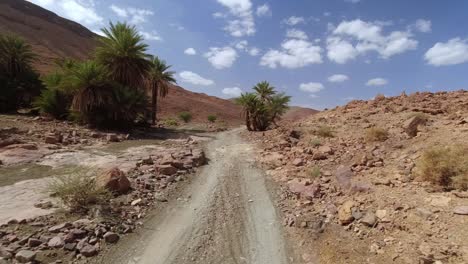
(148, 161)
(369, 219)
(160, 197)
(325, 150)
(136, 202)
(88, 250)
(298, 162)
(112, 138)
(423, 213)
(25, 256)
(69, 246)
(461, 210)
(57, 228)
(319, 156)
(440, 201)
(114, 180)
(33, 242)
(345, 213)
(56, 242)
(111, 237)
(4, 253)
(198, 157)
(44, 205)
(381, 214)
(166, 169)
(343, 176)
(412, 124)
(53, 138)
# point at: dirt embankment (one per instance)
(352, 187)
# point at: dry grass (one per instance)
(445, 166)
(419, 115)
(376, 134)
(324, 131)
(315, 142)
(314, 172)
(78, 191)
(171, 122)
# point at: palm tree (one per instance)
(249, 103)
(16, 56)
(278, 106)
(158, 79)
(123, 53)
(264, 91)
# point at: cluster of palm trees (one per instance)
(118, 86)
(263, 107)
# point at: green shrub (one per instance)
(53, 102)
(171, 122)
(212, 118)
(445, 166)
(185, 116)
(316, 142)
(78, 191)
(315, 172)
(375, 134)
(324, 131)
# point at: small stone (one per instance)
(298, 162)
(111, 237)
(88, 250)
(57, 228)
(136, 202)
(70, 246)
(369, 219)
(461, 210)
(33, 242)
(381, 214)
(25, 256)
(345, 215)
(56, 242)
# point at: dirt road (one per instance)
(226, 216)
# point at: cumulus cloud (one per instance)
(254, 51)
(240, 19)
(190, 51)
(455, 51)
(294, 20)
(221, 58)
(264, 10)
(423, 26)
(294, 53)
(377, 82)
(353, 38)
(337, 78)
(232, 92)
(311, 87)
(83, 12)
(193, 78)
(132, 15)
(296, 33)
(153, 35)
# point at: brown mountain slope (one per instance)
(51, 36)
(55, 37)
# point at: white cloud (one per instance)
(353, 38)
(312, 87)
(221, 58)
(193, 78)
(254, 51)
(294, 20)
(296, 33)
(132, 15)
(242, 22)
(153, 35)
(455, 51)
(264, 10)
(241, 45)
(377, 82)
(337, 78)
(190, 51)
(82, 12)
(232, 92)
(294, 53)
(423, 26)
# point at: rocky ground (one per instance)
(140, 169)
(349, 199)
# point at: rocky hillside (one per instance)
(369, 182)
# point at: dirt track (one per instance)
(225, 216)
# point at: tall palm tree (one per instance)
(278, 106)
(264, 91)
(158, 79)
(16, 56)
(123, 53)
(249, 103)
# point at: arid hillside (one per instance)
(379, 181)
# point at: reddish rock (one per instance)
(114, 180)
(166, 169)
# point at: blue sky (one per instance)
(321, 52)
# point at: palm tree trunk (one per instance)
(154, 104)
(247, 121)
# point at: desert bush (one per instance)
(171, 122)
(419, 115)
(315, 142)
(78, 191)
(324, 131)
(375, 134)
(212, 118)
(445, 166)
(53, 102)
(315, 172)
(185, 116)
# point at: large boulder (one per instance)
(114, 180)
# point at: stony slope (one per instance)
(348, 199)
